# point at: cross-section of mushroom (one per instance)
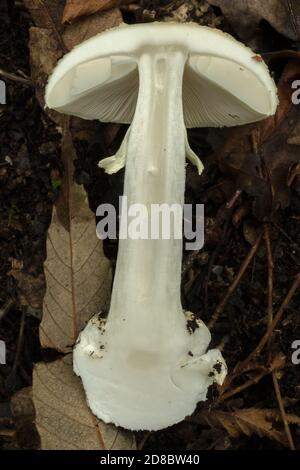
(145, 368)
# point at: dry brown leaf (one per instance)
(86, 27)
(49, 41)
(45, 51)
(21, 403)
(78, 276)
(245, 15)
(76, 8)
(263, 422)
(23, 412)
(63, 418)
(251, 231)
(31, 288)
(47, 14)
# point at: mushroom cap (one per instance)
(224, 82)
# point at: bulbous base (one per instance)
(145, 389)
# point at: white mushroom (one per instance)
(145, 368)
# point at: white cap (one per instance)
(224, 84)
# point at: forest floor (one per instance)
(247, 272)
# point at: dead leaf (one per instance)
(263, 422)
(23, 412)
(21, 403)
(44, 54)
(86, 27)
(78, 276)
(47, 14)
(49, 41)
(258, 158)
(63, 418)
(245, 16)
(45, 51)
(251, 231)
(31, 288)
(16, 264)
(76, 8)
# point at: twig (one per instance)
(145, 438)
(132, 7)
(20, 342)
(249, 383)
(8, 433)
(16, 78)
(213, 258)
(12, 375)
(286, 235)
(270, 329)
(270, 320)
(245, 365)
(23, 74)
(232, 202)
(276, 363)
(6, 308)
(230, 205)
(223, 343)
(295, 172)
(220, 307)
(45, 9)
(270, 275)
(294, 19)
(282, 411)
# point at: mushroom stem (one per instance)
(146, 290)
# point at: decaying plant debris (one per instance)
(245, 282)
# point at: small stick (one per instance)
(220, 307)
(282, 411)
(225, 233)
(249, 383)
(270, 320)
(6, 308)
(240, 388)
(131, 7)
(283, 232)
(20, 342)
(286, 235)
(271, 328)
(270, 275)
(16, 78)
(8, 433)
(223, 342)
(12, 375)
(295, 172)
(294, 18)
(232, 202)
(144, 440)
(244, 365)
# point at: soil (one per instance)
(30, 175)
